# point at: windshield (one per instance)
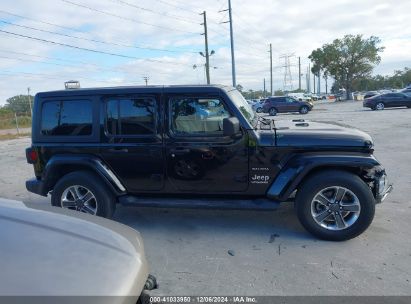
(242, 105)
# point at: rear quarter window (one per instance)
(66, 118)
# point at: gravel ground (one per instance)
(208, 252)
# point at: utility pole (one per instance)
(146, 79)
(232, 44)
(264, 88)
(207, 56)
(326, 83)
(309, 78)
(28, 95)
(299, 73)
(314, 84)
(231, 41)
(319, 83)
(271, 69)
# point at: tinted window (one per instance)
(131, 116)
(280, 99)
(199, 116)
(64, 118)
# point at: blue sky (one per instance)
(174, 25)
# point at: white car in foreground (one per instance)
(51, 252)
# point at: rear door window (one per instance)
(131, 116)
(67, 118)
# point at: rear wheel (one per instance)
(83, 191)
(259, 110)
(273, 111)
(380, 106)
(335, 205)
(304, 110)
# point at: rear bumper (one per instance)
(36, 186)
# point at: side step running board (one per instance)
(201, 203)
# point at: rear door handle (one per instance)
(118, 150)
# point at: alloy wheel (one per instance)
(380, 106)
(79, 198)
(335, 208)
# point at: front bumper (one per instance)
(366, 104)
(382, 188)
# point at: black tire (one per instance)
(304, 110)
(273, 112)
(328, 179)
(104, 199)
(151, 283)
(259, 110)
(380, 106)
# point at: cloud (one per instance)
(291, 26)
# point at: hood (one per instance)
(304, 133)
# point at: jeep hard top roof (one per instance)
(137, 89)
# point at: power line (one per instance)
(83, 63)
(180, 18)
(85, 49)
(36, 20)
(176, 6)
(126, 18)
(94, 40)
(48, 76)
(62, 60)
(79, 31)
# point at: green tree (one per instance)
(348, 59)
(19, 104)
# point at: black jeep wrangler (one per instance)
(199, 146)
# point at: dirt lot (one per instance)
(272, 254)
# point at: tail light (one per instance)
(31, 155)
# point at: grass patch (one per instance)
(9, 122)
(13, 136)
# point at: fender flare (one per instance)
(299, 166)
(52, 171)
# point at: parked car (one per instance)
(49, 252)
(370, 94)
(284, 104)
(300, 96)
(92, 148)
(406, 91)
(389, 100)
(258, 106)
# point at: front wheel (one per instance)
(259, 110)
(83, 191)
(273, 112)
(304, 110)
(335, 205)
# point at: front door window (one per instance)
(197, 116)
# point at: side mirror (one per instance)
(231, 126)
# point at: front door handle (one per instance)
(179, 151)
(118, 150)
